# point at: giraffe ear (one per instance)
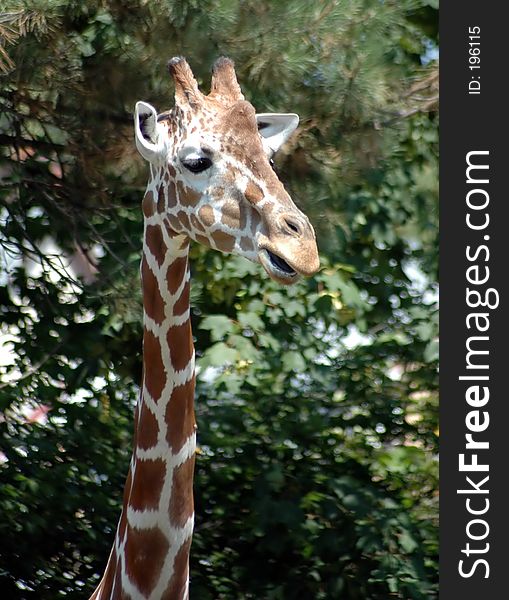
(275, 129)
(147, 132)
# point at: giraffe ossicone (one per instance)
(211, 181)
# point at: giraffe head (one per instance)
(211, 158)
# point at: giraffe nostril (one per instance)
(292, 226)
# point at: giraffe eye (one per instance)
(197, 165)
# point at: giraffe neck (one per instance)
(150, 556)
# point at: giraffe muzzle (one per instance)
(277, 268)
(288, 250)
(280, 264)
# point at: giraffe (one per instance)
(211, 181)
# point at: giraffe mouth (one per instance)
(280, 266)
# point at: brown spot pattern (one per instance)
(153, 302)
(223, 241)
(148, 428)
(122, 525)
(117, 585)
(145, 551)
(153, 367)
(155, 242)
(182, 304)
(246, 244)
(148, 482)
(172, 195)
(184, 220)
(230, 214)
(180, 415)
(188, 196)
(201, 239)
(181, 501)
(180, 342)
(174, 224)
(253, 193)
(206, 215)
(180, 573)
(176, 273)
(196, 223)
(243, 208)
(148, 204)
(161, 200)
(118, 593)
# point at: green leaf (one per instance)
(407, 542)
(431, 352)
(294, 307)
(293, 361)
(219, 355)
(218, 325)
(251, 320)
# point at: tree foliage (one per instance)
(316, 404)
